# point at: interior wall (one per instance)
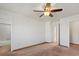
(26, 32)
(48, 32)
(74, 32)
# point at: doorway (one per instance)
(5, 38)
(61, 33)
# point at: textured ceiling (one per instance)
(26, 9)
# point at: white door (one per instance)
(64, 33)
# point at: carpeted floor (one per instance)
(46, 49)
(5, 50)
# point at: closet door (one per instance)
(64, 33)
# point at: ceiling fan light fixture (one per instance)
(48, 10)
(46, 13)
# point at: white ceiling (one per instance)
(26, 9)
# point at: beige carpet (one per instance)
(48, 49)
(5, 50)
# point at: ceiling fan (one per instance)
(48, 10)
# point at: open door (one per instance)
(64, 33)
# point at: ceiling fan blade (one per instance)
(38, 10)
(51, 15)
(41, 15)
(56, 10)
